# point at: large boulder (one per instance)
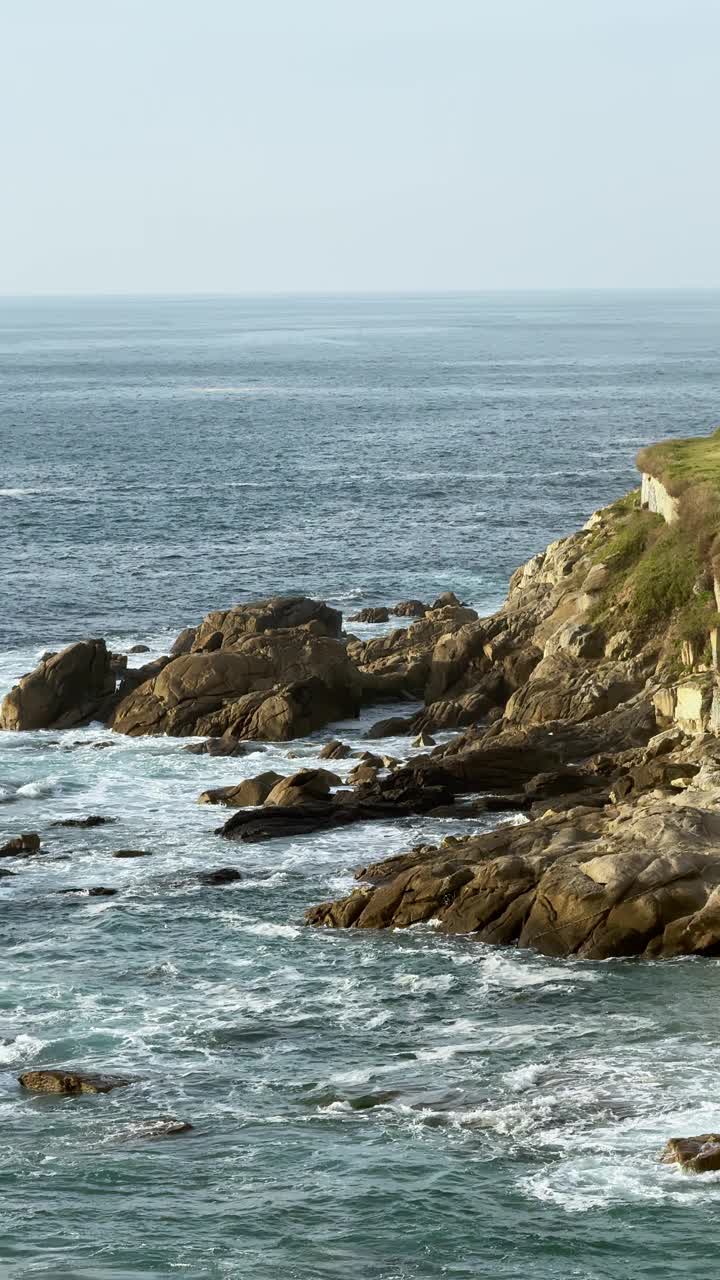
(224, 628)
(68, 688)
(253, 791)
(276, 686)
(565, 687)
(301, 787)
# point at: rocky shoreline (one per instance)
(587, 718)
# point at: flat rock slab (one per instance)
(60, 1080)
(131, 853)
(700, 1154)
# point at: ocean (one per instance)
(391, 1106)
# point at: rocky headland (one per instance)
(587, 707)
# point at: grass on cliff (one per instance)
(679, 464)
(656, 583)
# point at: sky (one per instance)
(229, 146)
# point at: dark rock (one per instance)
(410, 609)
(21, 846)
(67, 1080)
(393, 726)
(223, 875)
(371, 615)
(335, 751)
(96, 891)
(139, 648)
(93, 820)
(131, 853)
(225, 746)
(162, 1129)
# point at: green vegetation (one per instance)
(678, 464)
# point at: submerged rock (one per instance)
(225, 746)
(67, 1080)
(165, 1128)
(93, 820)
(95, 891)
(131, 853)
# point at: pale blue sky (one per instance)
(229, 146)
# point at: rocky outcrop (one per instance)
(628, 879)
(223, 629)
(276, 685)
(67, 689)
(399, 663)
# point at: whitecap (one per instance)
(35, 790)
(22, 1047)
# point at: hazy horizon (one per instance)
(474, 146)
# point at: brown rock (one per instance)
(371, 615)
(393, 726)
(67, 1080)
(253, 791)
(224, 628)
(700, 1154)
(299, 788)
(184, 642)
(67, 689)
(131, 853)
(410, 609)
(335, 751)
(21, 846)
(275, 686)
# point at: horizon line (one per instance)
(354, 293)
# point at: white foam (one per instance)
(21, 1048)
(35, 790)
(417, 984)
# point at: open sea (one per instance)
(391, 1106)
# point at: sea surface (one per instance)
(391, 1106)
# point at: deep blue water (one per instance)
(399, 1106)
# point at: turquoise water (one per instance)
(400, 1106)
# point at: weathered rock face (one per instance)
(224, 628)
(277, 685)
(67, 689)
(626, 880)
(67, 1080)
(410, 609)
(399, 663)
(564, 687)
